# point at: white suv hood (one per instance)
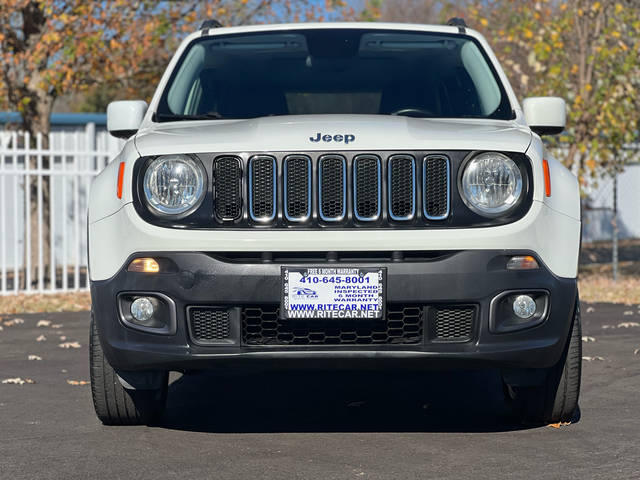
(369, 133)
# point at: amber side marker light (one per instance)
(144, 265)
(523, 262)
(547, 178)
(120, 179)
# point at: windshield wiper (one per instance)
(173, 117)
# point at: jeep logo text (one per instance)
(346, 138)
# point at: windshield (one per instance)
(339, 71)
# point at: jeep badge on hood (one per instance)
(346, 138)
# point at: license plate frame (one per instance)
(361, 299)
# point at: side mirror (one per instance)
(124, 117)
(545, 115)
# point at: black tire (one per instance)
(114, 404)
(557, 399)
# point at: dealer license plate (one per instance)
(333, 292)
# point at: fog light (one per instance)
(523, 306)
(142, 309)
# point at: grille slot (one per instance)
(366, 188)
(436, 178)
(262, 188)
(209, 324)
(262, 325)
(227, 174)
(297, 188)
(452, 324)
(332, 172)
(402, 187)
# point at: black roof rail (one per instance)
(457, 22)
(210, 24)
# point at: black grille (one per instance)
(401, 187)
(452, 323)
(227, 175)
(366, 188)
(208, 324)
(340, 190)
(297, 190)
(262, 172)
(436, 188)
(261, 325)
(332, 188)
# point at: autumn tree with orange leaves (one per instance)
(586, 51)
(48, 47)
(52, 47)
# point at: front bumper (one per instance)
(456, 278)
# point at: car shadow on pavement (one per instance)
(342, 401)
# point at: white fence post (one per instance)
(80, 157)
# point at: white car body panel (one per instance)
(372, 132)
(545, 112)
(551, 228)
(105, 201)
(533, 232)
(125, 115)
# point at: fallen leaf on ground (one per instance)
(77, 382)
(41, 338)
(590, 309)
(34, 357)
(588, 339)
(559, 424)
(636, 351)
(44, 303)
(56, 325)
(62, 338)
(9, 323)
(18, 321)
(43, 323)
(69, 345)
(591, 359)
(628, 324)
(17, 381)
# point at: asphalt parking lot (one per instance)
(314, 424)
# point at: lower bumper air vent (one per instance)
(451, 323)
(210, 325)
(262, 325)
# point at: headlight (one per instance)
(491, 184)
(174, 184)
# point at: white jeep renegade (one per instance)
(337, 194)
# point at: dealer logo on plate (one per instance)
(305, 293)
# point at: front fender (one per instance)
(103, 199)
